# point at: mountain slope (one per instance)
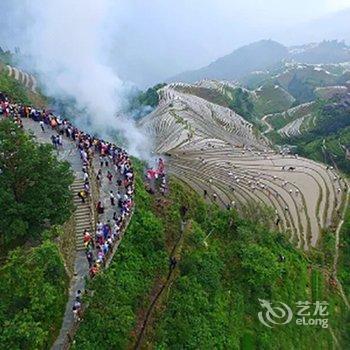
(267, 55)
(331, 51)
(250, 104)
(220, 155)
(242, 61)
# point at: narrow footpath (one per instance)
(269, 126)
(68, 151)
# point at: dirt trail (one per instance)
(166, 284)
(269, 126)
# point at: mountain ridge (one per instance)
(263, 54)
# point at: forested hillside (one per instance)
(34, 288)
(34, 187)
(190, 271)
(329, 140)
(189, 275)
(35, 201)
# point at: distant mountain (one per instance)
(331, 51)
(240, 62)
(265, 55)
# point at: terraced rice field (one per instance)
(28, 80)
(221, 156)
(291, 122)
(329, 92)
(294, 128)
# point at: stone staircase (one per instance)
(83, 217)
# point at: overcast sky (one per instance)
(171, 36)
(155, 39)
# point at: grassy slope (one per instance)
(213, 299)
(17, 92)
(213, 303)
(325, 134)
(250, 105)
(272, 99)
(13, 89)
(326, 147)
(344, 260)
(279, 120)
(313, 148)
(211, 95)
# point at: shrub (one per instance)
(33, 289)
(34, 186)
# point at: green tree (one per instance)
(34, 186)
(33, 289)
(242, 104)
(260, 266)
(150, 96)
(303, 91)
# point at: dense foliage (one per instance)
(224, 265)
(34, 186)
(6, 57)
(242, 104)
(33, 289)
(344, 260)
(150, 96)
(330, 138)
(142, 103)
(301, 90)
(331, 117)
(272, 98)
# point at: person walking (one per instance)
(82, 195)
(90, 258)
(100, 208)
(42, 126)
(111, 197)
(99, 178)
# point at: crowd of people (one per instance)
(112, 160)
(156, 178)
(120, 198)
